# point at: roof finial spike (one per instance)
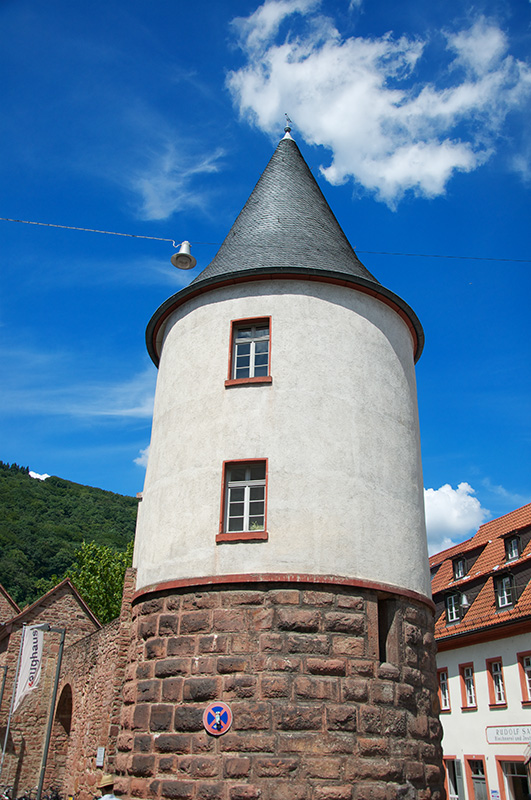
(287, 129)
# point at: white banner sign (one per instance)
(30, 664)
(508, 734)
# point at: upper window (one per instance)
(512, 550)
(244, 501)
(524, 667)
(495, 682)
(459, 568)
(444, 692)
(250, 352)
(504, 586)
(453, 608)
(468, 687)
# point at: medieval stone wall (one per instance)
(88, 669)
(94, 669)
(60, 608)
(330, 702)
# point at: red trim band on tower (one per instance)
(276, 577)
(356, 284)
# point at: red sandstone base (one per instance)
(332, 690)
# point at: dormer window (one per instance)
(453, 608)
(512, 548)
(459, 568)
(504, 588)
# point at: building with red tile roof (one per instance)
(482, 594)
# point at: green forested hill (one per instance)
(43, 523)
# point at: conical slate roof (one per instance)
(286, 222)
(285, 230)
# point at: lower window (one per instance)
(515, 780)
(243, 516)
(454, 779)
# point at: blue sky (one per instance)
(157, 119)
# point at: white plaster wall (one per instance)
(338, 425)
(465, 731)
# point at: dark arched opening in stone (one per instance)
(63, 714)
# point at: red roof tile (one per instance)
(483, 612)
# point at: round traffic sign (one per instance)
(217, 718)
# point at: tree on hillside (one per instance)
(98, 574)
(43, 523)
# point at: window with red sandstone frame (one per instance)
(250, 356)
(468, 686)
(495, 682)
(524, 669)
(243, 516)
(444, 691)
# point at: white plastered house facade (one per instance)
(483, 598)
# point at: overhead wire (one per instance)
(90, 230)
(177, 244)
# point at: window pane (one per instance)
(251, 352)
(257, 471)
(245, 497)
(498, 689)
(527, 670)
(237, 474)
(512, 549)
(469, 686)
(452, 608)
(504, 592)
(443, 684)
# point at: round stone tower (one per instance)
(280, 547)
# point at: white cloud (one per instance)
(166, 184)
(142, 459)
(46, 384)
(359, 97)
(480, 48)
(37, 476)
(452, 515)
(130, 398)
(513, 498)
(265, 22)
